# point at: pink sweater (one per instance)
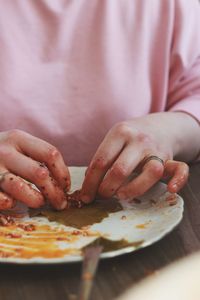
(69, 70)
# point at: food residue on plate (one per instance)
(29, 240)
(23, 239)
(110, 245)
(87, 215)
(144, 225)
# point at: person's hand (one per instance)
(124, 150)
(23, 156)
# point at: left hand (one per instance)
(123, 150)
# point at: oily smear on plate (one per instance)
(85, 216)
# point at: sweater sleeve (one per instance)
(184, 76)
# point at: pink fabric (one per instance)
(70, 70)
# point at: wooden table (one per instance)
(114, 276)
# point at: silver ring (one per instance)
(2, 175)
(152, 157)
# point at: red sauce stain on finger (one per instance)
(6, 203)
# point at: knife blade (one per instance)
(91, 255)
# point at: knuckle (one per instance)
(14, 134)
(99, 164)
(123, 129)
(41, 173)
(118, 172)
(144, 138)
(53, 153)
(4, 151)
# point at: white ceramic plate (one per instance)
(140, 224)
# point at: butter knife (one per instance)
(91, 255)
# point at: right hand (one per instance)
(23, 156)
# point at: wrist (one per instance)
(186, 136)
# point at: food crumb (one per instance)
(76, 232)
(13, 235)
(27, 227)
(73, 200)
(144, 225)
(6, 220)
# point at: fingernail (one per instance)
(175, 186)
(63, 205)
(121, 195)
(85, 198)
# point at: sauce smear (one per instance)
(87, 215)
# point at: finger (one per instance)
(179, 171)
(6, 202)
(152, 172)
(44, 152)
(118, 174)
(101, 162)
(20, 190)
(38, 174)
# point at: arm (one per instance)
(184, 79)
(168, 135)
